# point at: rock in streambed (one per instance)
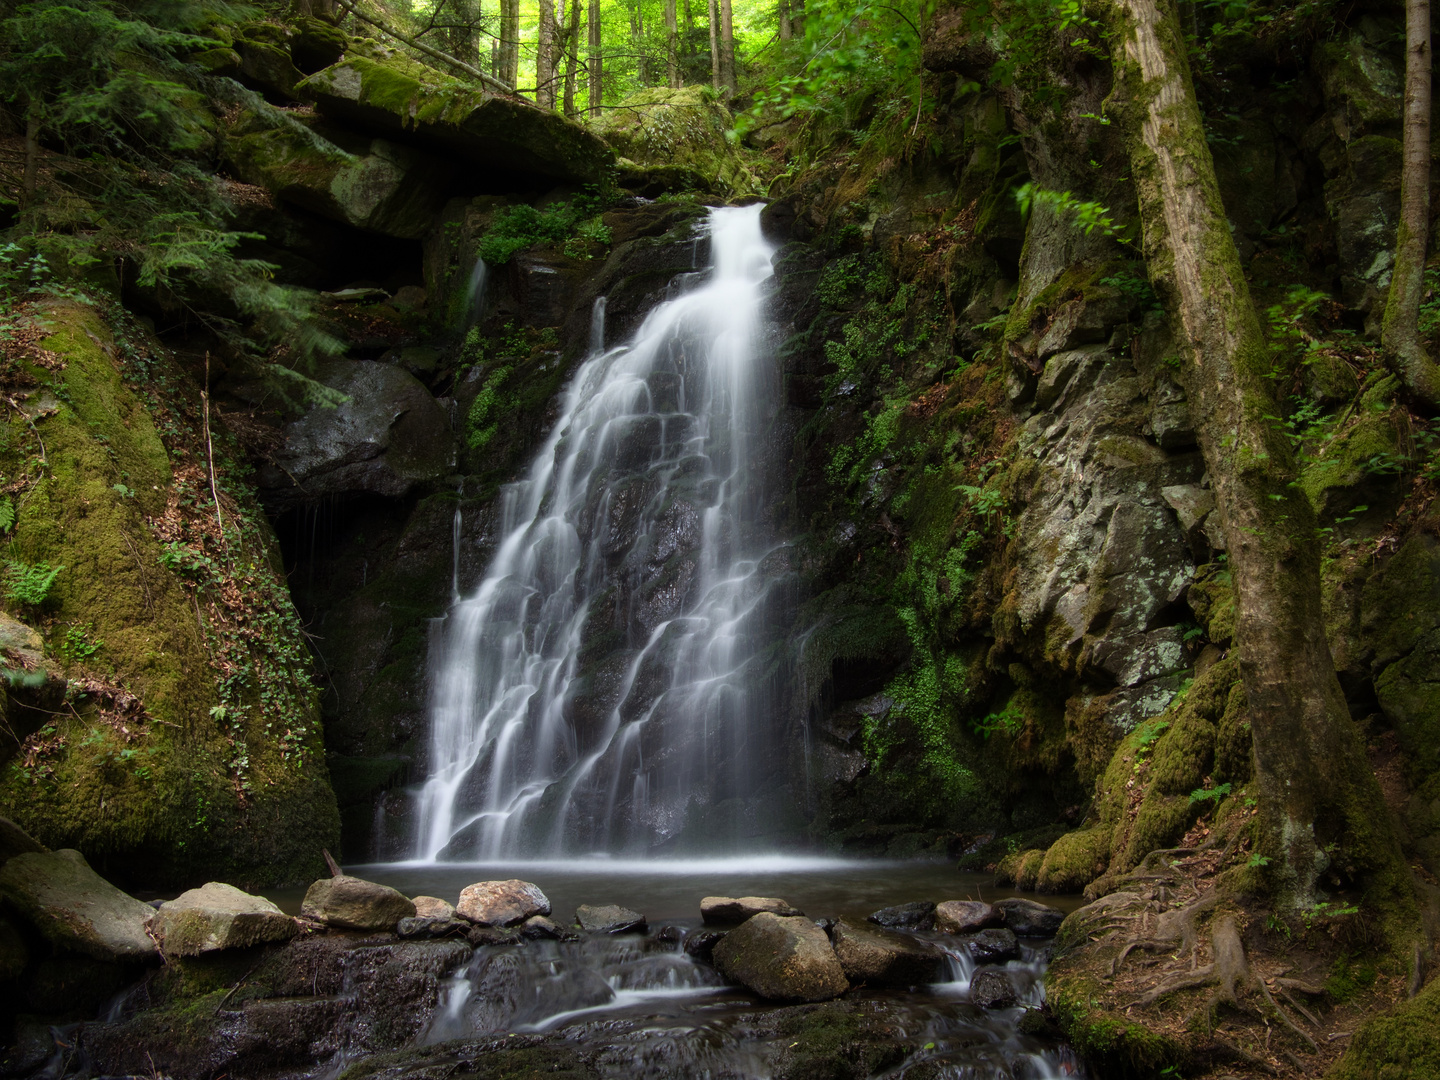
(502, 903)
(723, 910)
(1029, 919)
(965, 917)
(609, 919)
(217, 916)
(880, 957)
(75, 908)
(784, 958)
(351, 903)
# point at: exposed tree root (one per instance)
(1173, 926)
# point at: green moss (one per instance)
(1363, 448)
(1212, 597)
(1027, 868)
(685, 128)
(1075, 860)
(1403, 1044)
(1111, 1044)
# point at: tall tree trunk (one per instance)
(797, 18)
(464, 33)
(672, 47)
(596, 62)
(1400, 331)
(572, 57)
(727, 48)
(546, 55)
(715, 79)
(1320, 804)
(783, 13)
(510, 40)
(32, 160)
(637, 43)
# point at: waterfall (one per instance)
(600, 683)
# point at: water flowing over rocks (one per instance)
(781, 958)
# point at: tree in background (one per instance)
(546, 56)
(595, 60)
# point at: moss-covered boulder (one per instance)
(192, 750)
(676, 139)
(509, 139)
(371, 184)
(1400, 1045)
(215, 917)
(1075, 860)
(782, 958)
(75, 908)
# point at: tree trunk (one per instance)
(672, 47)
(510, 41)
(637, 44)
(797, 18)
(727, 48)
(32, 160)
(596, 62)
(1320, 804)
(545, 56)
(783, 12)
(1400, 331)
(572, 57)
(715, 80)
(464, 35)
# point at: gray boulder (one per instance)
(502, 903)
(609, 919)
(883, 957)
(13, 839)
(217, 916)
(721, 910)
(783, 958)
(351, 903)
(75, 908)
(992, 989)
(917, 916)
(992, 946)
(390, 435)
(1030, 919)
(965, 916)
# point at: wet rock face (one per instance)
(502, 903)
(782, 959)
(965, 916)
(993, 946)
(215, 917)
(720, 910)
(351, 903)
(389, 436)
(992, 989)
(1028, 918)
(884, 958)
(920, 915)
(75, 908)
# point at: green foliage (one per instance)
(78, 643)
(1086, 216)
(576, 224)
(486, 410)
(1349, 978)
(7, 513)
(1213, 794)
(29, 585)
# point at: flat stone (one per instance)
(884, 958)
(1030, 919)
(609, 919)
(732, 909)
(351, 903)
(75, 908)
(217, 916)
(429, 927)
(23, 641)
(539, 928)
(501, 903)
(994, 946)
(917, 916)
(782, 958)
(432, 907)
(992, 989)
(965, 916)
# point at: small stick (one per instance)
(335, 870)
(210, 448)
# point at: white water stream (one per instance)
(643, 492)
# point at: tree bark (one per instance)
(1400, 330)
(715, 80)
(727, 48)
(32, 160)
(783, 14)
(572, 57)
(637, 44)
(545, 56)
(797, 18)
(510, 41)
(672, 47)
(595, 62)
(1320, 804)
(464, 34)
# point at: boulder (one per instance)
(16, 841)
(992, 989)
(351, 903)
(217, 916)
(389, 436)
(783, 958)
(884, 958)
(501, 903)
(427, 927)
(432, 907)
(917, 916)
(1028, 918)
(539, 928)
(509, 138)
(675, 139)
(994, 946)
(701, 943)
(721, 910)
(492, 935)
(609, 919)
(75, 908)
(965, 916)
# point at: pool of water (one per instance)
(671, 890)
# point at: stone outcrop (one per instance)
(217, 916)
(675, 139)
(782, 958)
(501, 903)
(722, 910)
(75, 908)
(884, 958)
(351, 903)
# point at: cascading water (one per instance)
(600, 679)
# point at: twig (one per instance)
(210, 447)
(335, 870)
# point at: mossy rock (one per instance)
(661, 128)
(1212, 597)
(1403, 1044)
(158, 788)
(1027, 868)
(1361, 465)
(1113, 1045)
(381, 92)
(1075, 860)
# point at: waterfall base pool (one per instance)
(637, 1006)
